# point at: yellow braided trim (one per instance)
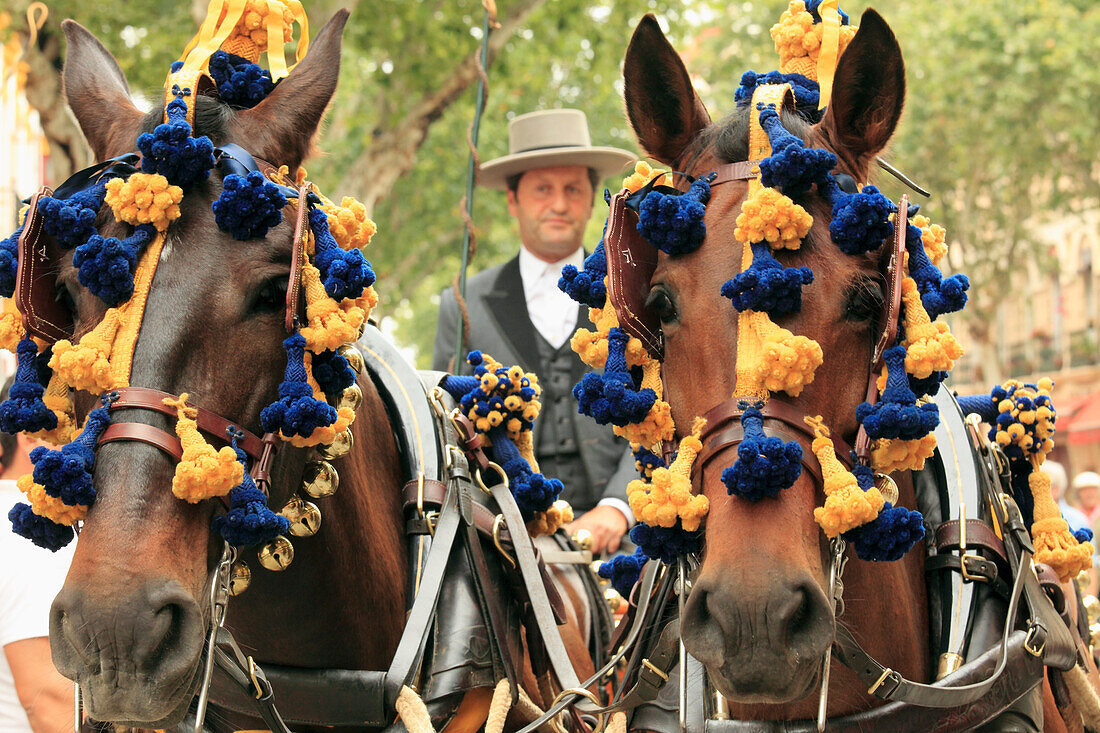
(58, 400)
(929, 346)
(132, 312)
(203, 472)
(330, 324)
(847, 506)
(87, 365)
(1055, 545)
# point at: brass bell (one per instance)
(596, 571)
(887, 487)
(614, 600)
(353, 356)
(352, 397)
(583, 538)
(320, 479)
(277, 554)
(1094, 634)
(337, 448)
(240, 575)
(1092, 608)
(304, 517)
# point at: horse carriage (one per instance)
(196, 315)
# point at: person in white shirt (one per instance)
(33, 694)
(518, 315)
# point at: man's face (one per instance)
(552, 206)
(1088, 496)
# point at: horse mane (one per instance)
(212, 118)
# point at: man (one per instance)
(519, 316)
(1059, 481)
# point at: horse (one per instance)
(131, 622)
(759, 616)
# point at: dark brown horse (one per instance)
(130, 622)
(758, 616)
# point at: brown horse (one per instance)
(130, 622)
(759, 616)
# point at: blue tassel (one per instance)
(767, 286)
(66, 474)
(249, 520)
(240, 82)
(345, 273)
(72, 220)
(1082, 535)
(43, 532)
(806, 91)
(24, 409)
(928, 386)
(674, 223)
(792, 167)
(106, 264)
(861, 220)
(612, 396)
(296, 412)
(533, 491)
(892, 533)
(666, 543)
(171, 151)
(765, 465)
(9, 262)
(645, 461)
(811, 8)
(897, 414)
(938, 295)
(332, 373)
(248, 206)
(458, 387)
(980, 404)
(587, 286)
(624, 570)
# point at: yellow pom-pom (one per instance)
(788, 362)
(933, 236)
(48, 506)
(667, 496)
(798, 40)
(349, 223)
(847, 506)
(331, 324)
(87, 365)
(929, 346)
(889, 455)
(551, 520)
(768, 215)
(144, 198)
(643, 174)
(203, 472)
(11, 326)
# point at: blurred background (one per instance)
(1000, 125)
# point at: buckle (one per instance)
(498, 522)
(972, 577)
(661, 677)
(254, 675)
(888, 677)
(1033, 631)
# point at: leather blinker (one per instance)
(36, 279)
(631, 261)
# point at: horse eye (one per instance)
(65, 298)
(270, 297)
(660, 302)
(865, 301)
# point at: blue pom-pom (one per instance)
(666, 543)
(105, 265)
(766, 286)
(345, 273)
(24, 409)
(72, 220)
(43, 532)
(171, 151)
(240, 82)
(806, 91)
(333, 374)
(458, 387)
(928, 386)
(1082, 535)
(674, 223)
(939, 295)
(861, 220)
(765, 465)
(533, 491)
(587, 286)
(296, 412)
(792, 167)
(624, 570)
(248, 206)
(897, 415)
(611, 397)
(66, 474)
(889, 536)
(249, 520)
(9, 262)
(646, 461)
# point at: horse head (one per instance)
(130, 622)
(759, 614)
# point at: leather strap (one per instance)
(740, 171)
(971, 567)
(143, 433)
(36, 279)
(297, 249)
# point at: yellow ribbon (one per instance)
(830, 49)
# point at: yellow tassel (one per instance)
(929, 346)
(768, 215)
(331, 324)
(798, 40)
(1055, 545)
(203, 472)
(847, 506)
(349, 223)
(48, 506)
(144, 198)
(87, 365)
(57, 399)
(591, 346)
(668, 494)
(933, 236)
(525, 445)
(889, 455)
(551, 520)
(11, 326)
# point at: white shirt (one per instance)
(30, 577)
(552, 312)
(554, 315)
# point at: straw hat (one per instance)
(548, 138)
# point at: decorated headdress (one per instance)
(144, 191)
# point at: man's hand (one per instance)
(607, 525)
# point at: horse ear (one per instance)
(281, 127)
(868, 94)
(664, 109)
(98, 94)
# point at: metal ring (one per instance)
(497, 523)
(579, 691)
(481, 482)
(435, 398)
(1028, 640)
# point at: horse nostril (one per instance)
(803, 614)
(170, 631)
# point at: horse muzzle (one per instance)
(135, 658)
(763, 645)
